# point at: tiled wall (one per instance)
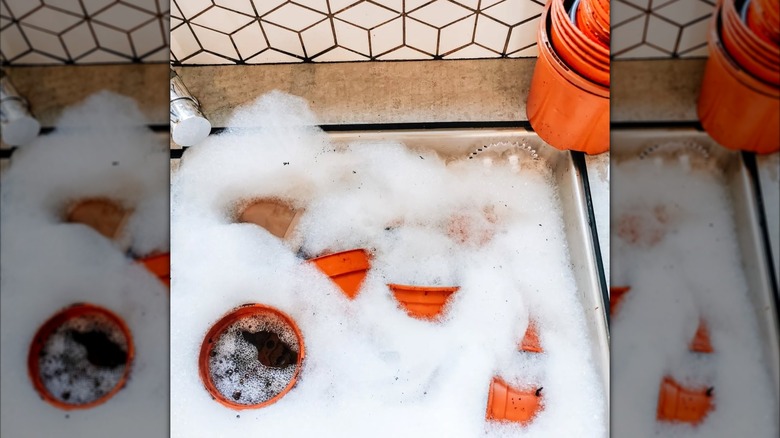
(274, 31)
(650, 29)
(83, 31)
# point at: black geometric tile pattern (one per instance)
(207, 32)
(83, 31)
(657, 29)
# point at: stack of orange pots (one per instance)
(568, 105)
(739, 103)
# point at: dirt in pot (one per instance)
(83, 360)
(254, 359)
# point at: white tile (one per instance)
(699, 52)
(4, 12)
(627, 34)
(78, 40)
(693, 35)
(685, 11)
(147, 38)
(21, 7)
(440, 13)
(643, 52)
(12, 42)
(294, 17)
(123, 17)
(263, 6)
(68, 5)
(175, 12)
(147, 5)
(488, 3)
(523, 36)
(404, 53)
(512, 12)
(471, 52)
(243, 6)
(283, 39)
(215, 42)
(158, 56)
(366, 15)
(175, 22)
(318, 5)
(222, 20)
(318, 38)
(661, 33)
(250, 40)
(411, 5)
(338, 5)
(44, 42)
(40, 58)
(528, 52)
(51, 20)
(164, 6)
(271, 56)
(642, 4)
(4, 21)
(456, 35)
(473, 4)
(387, 37)
(206, 58)
(112, 39)
(183, 42)
(396, 5)
(421, 36)
(340, 54)
(352, 37)
(620, 12)
(190, 8)
(491, 33)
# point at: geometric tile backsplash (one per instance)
(660, 28)
(83, 31)
(278, 31)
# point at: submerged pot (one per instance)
(567, 107)
(278, 217)
(738, 108)
(616, 296)
(159, 265)
(422, 302)
(110, 352)
(258, 325)
(103, 215)
(530, 342)
(347, 269)
(506, 403)
(677, 403)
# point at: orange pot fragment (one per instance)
(677, 403)
(103, 215)
(506, 403)
(347, 269)
(530, 342)
(422, 302)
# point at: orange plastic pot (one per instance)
(677, 403)
(760, 58)
(213, 335)
(581, 51)
(616, 296)
(347, 269)
(103, 215)
(701, 340)
(593, 20)
(530, 342)
(737, 109)
(565, 108)
(422, 302)
(763, 18)
(159, 265)
(275, 215)
(80, 311)
(506, 403)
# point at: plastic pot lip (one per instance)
(567, 73)
(575, 31)
(719, 54)
(412, 288)
(332, 265)
(565, 44)
(353, 251)
(55, 321)
(741, 44)
(495, 383)
(217, 328)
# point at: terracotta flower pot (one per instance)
(104, 215)
(593, 20)
(701, 340)
(65, 377)
(736, 108)
(272, 343)
(159, 265)
(677, 403)
(422, 302)
(275, 215)
(506, 403)
(581, 51)
(566, 108)
(347, 269)
(530, 342)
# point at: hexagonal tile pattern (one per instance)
(353, 30)
(45, 32)
(643, 29)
